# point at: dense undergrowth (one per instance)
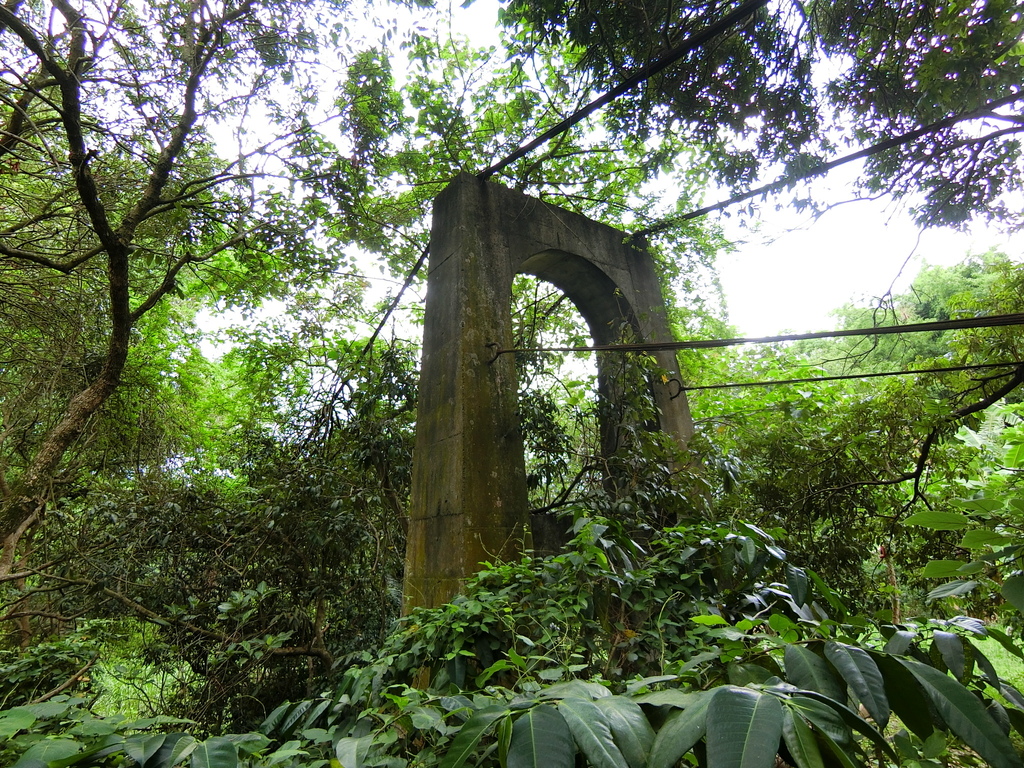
(702, 646)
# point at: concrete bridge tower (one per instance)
(469, 495)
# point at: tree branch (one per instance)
(66, 267)
(824, 168)
(67, 683)
(168, 282)
(931, 439)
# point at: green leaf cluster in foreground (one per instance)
(584, 659)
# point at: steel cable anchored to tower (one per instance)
(990, 321)
(850, 376)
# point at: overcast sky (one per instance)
(790, 273)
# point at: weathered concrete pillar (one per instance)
(469, 496)
(469, 479)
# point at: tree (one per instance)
(113, 201)
(936, 85)
(841, 464)
(980, 285)
(165, 478)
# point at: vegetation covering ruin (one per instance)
(202, 551)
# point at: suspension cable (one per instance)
(991, 321)
(848, 376)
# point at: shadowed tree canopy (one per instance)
(802, 82)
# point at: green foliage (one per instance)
(839, 464)
(784, 679)
(796, 84)
(745, 676)
(234, 557)
(41, 668)
(63, 732)
(984, 284)
(987, 517)
(249, 511)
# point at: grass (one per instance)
(1009, 667)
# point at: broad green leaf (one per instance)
(498, 666)
(1011, 694)
(971, 624)
(806, 669)
(1013, 592)
(901, 739)
(142, 746)
(900, 642)
(1006, 641)
(175, 748)
(1014, 457)
(540, 739)
(940, 521)
(95, 726)
(906, 698)
(784, 627)
(314, 712)
(291, 716)
(822, 717)
(942, 569)
(504, 739)
(671, 697)
(980, 538)
(1016, 718)
(646, 682)
(796, 581)
(274, 718)
(44, 752)
(575, 688)
(216, 752)
(934, 745)
(861, 673)
(710, 619)
(841, 752)
(351, 751)
(50, 709)
(744, 728)
(971, 568)
(14, 720)
(952, 589)
(998, 713)
(746, 550)
(285, 753)
(744, 673)
(592, 733)
(984, 506)
(986, 666)
(831, 596)
(965, 715)
(93, 753)
(951, 649)
(424, 718)
(853, 720)
(700, 658)
(800, 741)
(682, 729)
(469, 735)
(630, 728)
(254, 743)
